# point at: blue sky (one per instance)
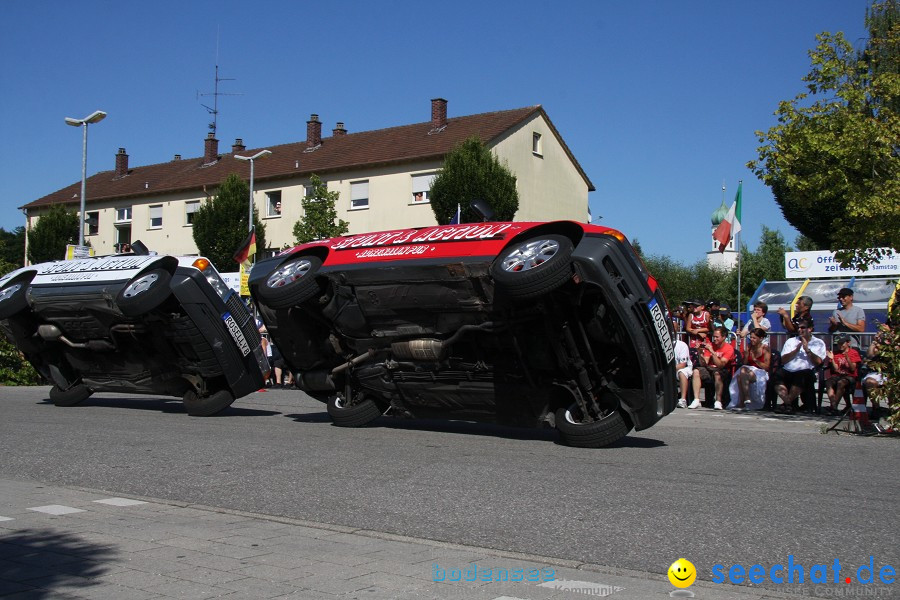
(657, 100)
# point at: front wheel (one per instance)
(575, 431)
(70, 397)
(144, 293)
(208, 405)
(535, 266)
(355, 415)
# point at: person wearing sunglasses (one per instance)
(800, 356)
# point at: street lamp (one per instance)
(259, 154)
(94, 117)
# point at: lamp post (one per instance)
(259, 154)
(94, 117)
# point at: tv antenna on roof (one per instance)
(214, 109)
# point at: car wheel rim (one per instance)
(530, 256)
(339, 403)
(8, 292)
(571, 418)
(289, 273)
(140, 285)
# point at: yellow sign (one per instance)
(74, 251)
(245, 289)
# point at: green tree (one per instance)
(220, 225)
(804, 244)
(54, 230)
(832, 160)
(320, 220)
(472, 172)
(14, 369)
(12, 246)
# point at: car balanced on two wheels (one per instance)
(529, 324)
(136, 323)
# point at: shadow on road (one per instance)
(41, 563)
(163, 405)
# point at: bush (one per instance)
(14, 369)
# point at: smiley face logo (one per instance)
(682, 573)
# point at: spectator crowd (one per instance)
(744, 367)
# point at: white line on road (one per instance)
(120, 501)
(56, 509)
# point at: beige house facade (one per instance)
(383, 178)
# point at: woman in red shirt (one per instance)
(748, 386)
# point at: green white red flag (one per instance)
(731, 225)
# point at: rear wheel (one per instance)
(207, 405)
(355, 415)
(575, 430)
(535, 266)
(144, 293)
(70, 397)
(12, 297)
(291, 283)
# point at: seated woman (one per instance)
(748, 386)
(844, 364)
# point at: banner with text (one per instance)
(821, 263)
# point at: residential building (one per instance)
(383, 177)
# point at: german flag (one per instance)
(247, 249)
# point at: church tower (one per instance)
(727, 260)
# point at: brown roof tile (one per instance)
(404, 144)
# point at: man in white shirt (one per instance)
(799, 357)
(683, 369)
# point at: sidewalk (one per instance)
(66, 543)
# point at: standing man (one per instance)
(800, 356)
(804, 306)
(847, 318)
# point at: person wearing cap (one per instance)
(847, 318)
(697, 324)
(844, 370)
(804, 308)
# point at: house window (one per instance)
(359, 195)
(123, 239)
(93, 223)
(308, 191)
(273, 204)
(421, 188)
(123, 215)
(156, 216)
(190, 209)
(536, 146)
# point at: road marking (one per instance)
(6, 518)
(120, 501)
(582, 587)
(56, 509)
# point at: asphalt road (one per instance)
(716, 488)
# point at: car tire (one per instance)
(595, 434)
(291, 283)
(12, 297)
(144, 293)
(356, 415)
(534, 267)
(70, 397)
(206, 406)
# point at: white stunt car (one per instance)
(136, 323)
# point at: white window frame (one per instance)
(421, 183)
(359, 195)
(537, 144)
(190, 208)
(271, 198)
(155, 208)
(124, 214)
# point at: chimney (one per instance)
(238, 146)
(438, 113)
(210, 149)
(313, 131)
(339, 129)
(121, 163)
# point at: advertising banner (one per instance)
(821, 263)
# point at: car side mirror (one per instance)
(482, 209)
